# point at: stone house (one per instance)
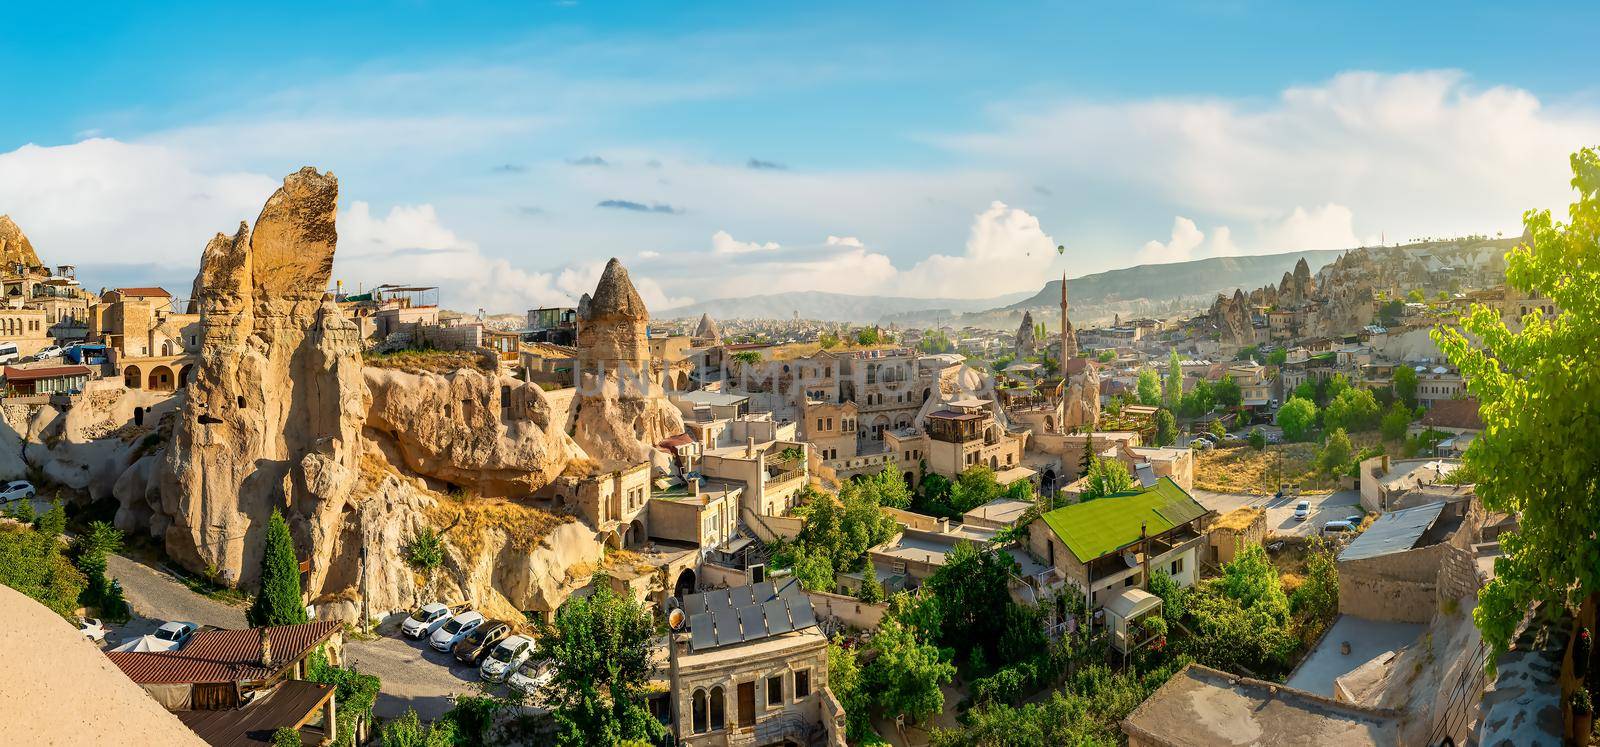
(615, 502)
(28, 329)
(700, 512)
(961, 435)
(748, 666)
(152, 347)
(1391, 571)
(1105, 545)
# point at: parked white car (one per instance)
(428, 618)
(505, 658)
(457, 628)
(1302, 510)
(530, 677)
(92, 629)
(173, 635)
(53, 351)
(16, 490)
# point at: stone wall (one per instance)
(848, 610)
(1400, 587)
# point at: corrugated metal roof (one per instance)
(287, 705)
(1396, 531)
(223, 655)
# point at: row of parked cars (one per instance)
(473, 639)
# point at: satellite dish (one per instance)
(676, 619)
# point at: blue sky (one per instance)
(722, 149)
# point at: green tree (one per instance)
(1166, 427)
(975, 487)
(1390, 312)
(600, 648)
(1415, 296)
(1227, 391)
(1107, 477)
(1317, 598)
(747, 357)
(1278, 357)
(278, 602)
(1405, 385)
(1353, 410)
(1258, 440)
(32, 562)
(409, 731)
(1218, 429)
(845, 680)
(1296, 417)
(868, 336)
(1539, 400)
(54, 522)
(1173, 386)
(1199, 400)
(907, 674)
(1174, 598)
(354, 693)
(1149, 387)
(1336, 452)
(1396, 422)
(871, 591)
(285, 736)
(973, 589)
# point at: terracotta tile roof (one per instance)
(47, 372)
(146, 291)
(223, 655)
(1454, 413)
(1074, 365)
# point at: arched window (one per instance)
(701, 714)
(718, 708)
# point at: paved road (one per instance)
(413, 674)
(1280, 511)
(156, 597)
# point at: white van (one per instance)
(8, 352)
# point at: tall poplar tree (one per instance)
(278, 602)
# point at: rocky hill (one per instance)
(1343, 295)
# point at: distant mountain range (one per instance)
(1145, 289)
(833, 307)
(1176, 279)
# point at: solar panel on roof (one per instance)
(727, 622)
(701, 635)
(717, 601)
(777, 614)
(694, 604)
(740, 597)
(754, 626)
(800, 611)
(763, 591)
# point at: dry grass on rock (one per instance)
(426, 361)
(471, 518)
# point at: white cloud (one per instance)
(1006, 251)
(724, 243)
(1186, 237)
(107, 202)
(410, 245)
(1410, 154)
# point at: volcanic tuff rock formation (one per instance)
(274, 416)
(621, 409)
(1080, 401)
(14, 245)
(1026, 344)
(492, 434)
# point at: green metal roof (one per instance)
(1095, 527)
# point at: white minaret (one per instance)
(1069, 342)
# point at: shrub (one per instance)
(425, 551)
(1258, 440)
(286, 737)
